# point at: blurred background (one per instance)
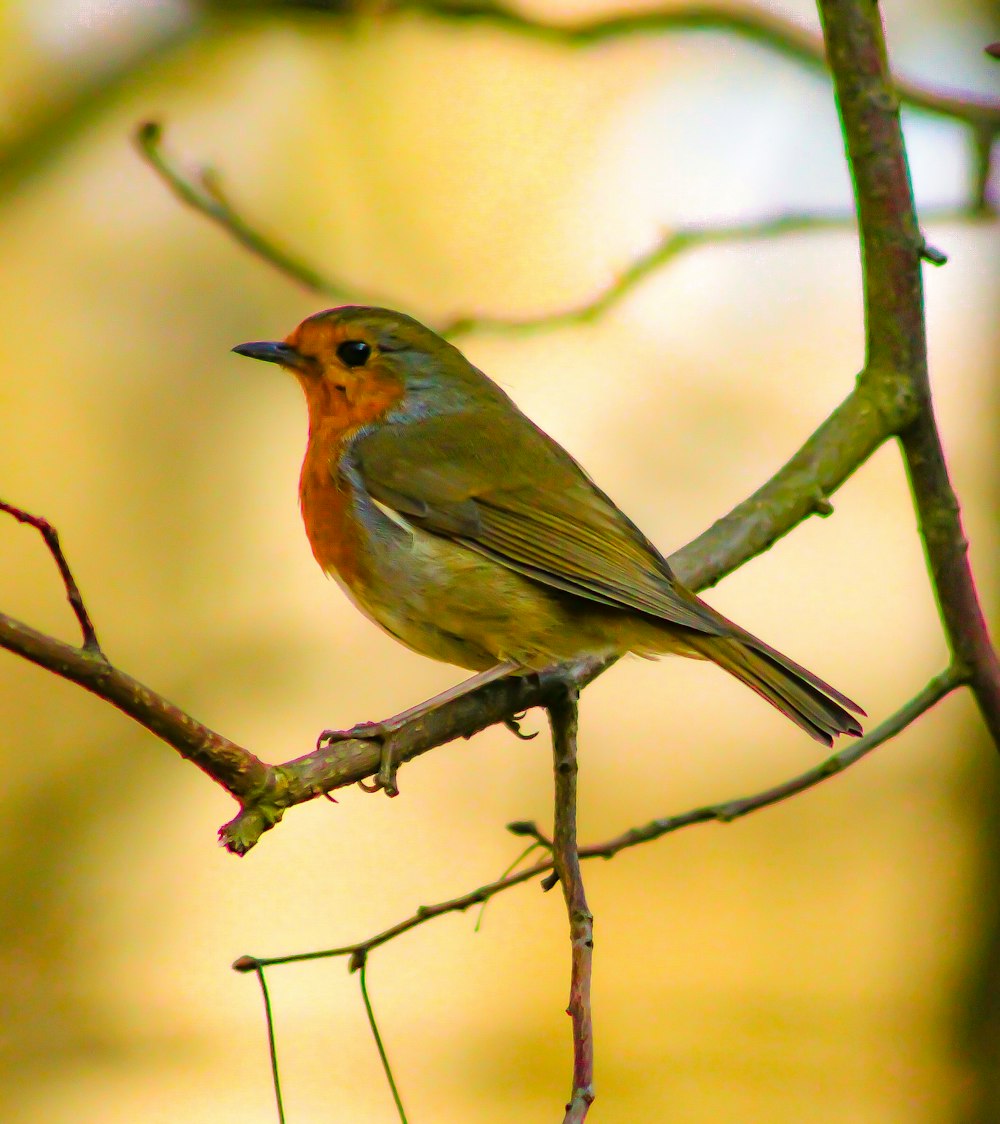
(830, 959)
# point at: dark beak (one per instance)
(274, 353)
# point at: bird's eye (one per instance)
(354, 353)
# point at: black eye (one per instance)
(353, 353)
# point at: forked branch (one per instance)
(726, 811)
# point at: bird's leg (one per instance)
(383, 731)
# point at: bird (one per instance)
(466, 532)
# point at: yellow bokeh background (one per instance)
(815, 962)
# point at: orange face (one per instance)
(342, 371)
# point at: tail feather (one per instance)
(807, 700)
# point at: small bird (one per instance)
(468, 534)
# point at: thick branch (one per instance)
(890, 238)
(947, 552)
(894, 316)
(800, 488)
(230, 765)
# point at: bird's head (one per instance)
(363, 362)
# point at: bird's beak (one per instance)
(274, 353)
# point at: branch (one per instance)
(563, 717)
(203, 192)
(896, 344)
(228, 764)
(266, 791)
(749, 21)
(800, 488)
(947, 551)
(51, 538)
(672, 246)
(726, 812)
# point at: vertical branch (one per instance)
(563, 717)
(895, 337)
(895, 334)
(947, 552)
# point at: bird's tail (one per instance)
(801, 696)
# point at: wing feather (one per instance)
(460, 476)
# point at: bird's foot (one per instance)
(513, 723)
(385, 778)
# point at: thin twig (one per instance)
(272, 1045)
(749, 21)
(360, 962)
(673, 245)
(509, 869)
(940, 686)
(725, 812)
(51, 538)
(204, 194)
(563, 718)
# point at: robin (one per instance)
(468, 534)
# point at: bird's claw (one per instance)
(513, 723)
(385, 778)
(363, 730)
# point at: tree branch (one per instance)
(749, 21)
(203, 192)
(947, 551)
(670, 247)
(896, 345)
(725, 812)
(50, 536)
(238, 771)
(563, 717)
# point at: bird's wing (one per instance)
(495, 482)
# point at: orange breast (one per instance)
(327, 508)
(329, 512)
